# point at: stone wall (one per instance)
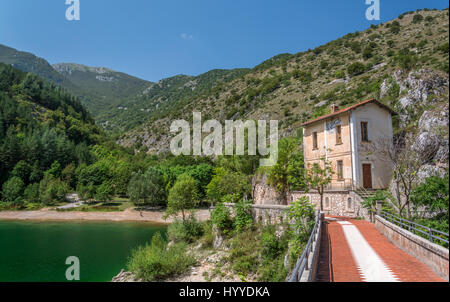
(267, 214)
(335, 203)
(433, 255)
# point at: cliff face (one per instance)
(423, 117)
(263, 194)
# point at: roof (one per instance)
(323, 117)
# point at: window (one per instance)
(338, 134)
(364, 131)
(327, 202)
(314, 137)
(349, 204)
(340, 169)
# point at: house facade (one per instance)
(345, 139)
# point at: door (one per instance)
(367, 176)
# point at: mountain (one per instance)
(100, 87)
(294, 88)
(118, 101)
(162, 97)
(30, 63)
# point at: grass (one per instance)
(116, 205)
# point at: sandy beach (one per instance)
(127, 215)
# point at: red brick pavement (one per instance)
(336, 262)
(341, 266)
(404, 266)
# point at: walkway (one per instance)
(354, 251)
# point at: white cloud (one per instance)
(186, 36)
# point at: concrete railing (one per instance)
(431, 254)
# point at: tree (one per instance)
(22, 170)
(104, 192)
(225, 182)
(318, 178)
(432, 195)
(406, 164)
(147, 188)
(13, 189)
(288, 171)
(182, 197)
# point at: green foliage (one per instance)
(370, 203)
(225, 181)
(356, 69)
(432, 195)
(13, 190)
(242, 215)
(221, 218)
(406, 59)
(147, 188)
(417, 18)
(186, 231)
(339, 74)
(157, 261)
(287, 173)
(182, 197)
(104, 192)
(301, 215)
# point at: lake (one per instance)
(37, 251)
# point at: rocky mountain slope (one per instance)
(293, 88)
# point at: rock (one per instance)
(286, 261)
(262, 193)
(124, 276)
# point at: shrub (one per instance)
(417, 18)
(187, 231)
(340, 74)
(221, 218)
(157, 261)
(243, 215)
(356, 68)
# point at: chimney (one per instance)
(334, 108)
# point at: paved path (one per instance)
(354, 251)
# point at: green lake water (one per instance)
(37, 251)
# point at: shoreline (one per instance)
(129, 215)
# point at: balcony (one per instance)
(340, 185)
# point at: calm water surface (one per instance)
(37, 251)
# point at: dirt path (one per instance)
(127, 215)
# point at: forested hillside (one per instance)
(50, 145)
(295, 88)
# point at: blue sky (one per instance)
(156, 39)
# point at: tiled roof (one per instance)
(320, 118)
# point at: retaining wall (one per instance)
(431, 254)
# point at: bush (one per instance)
(356, 68)
(187, 231)
(340, 74)
(417, 18)
(243, 215)
(157, 261)
(221, 218)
